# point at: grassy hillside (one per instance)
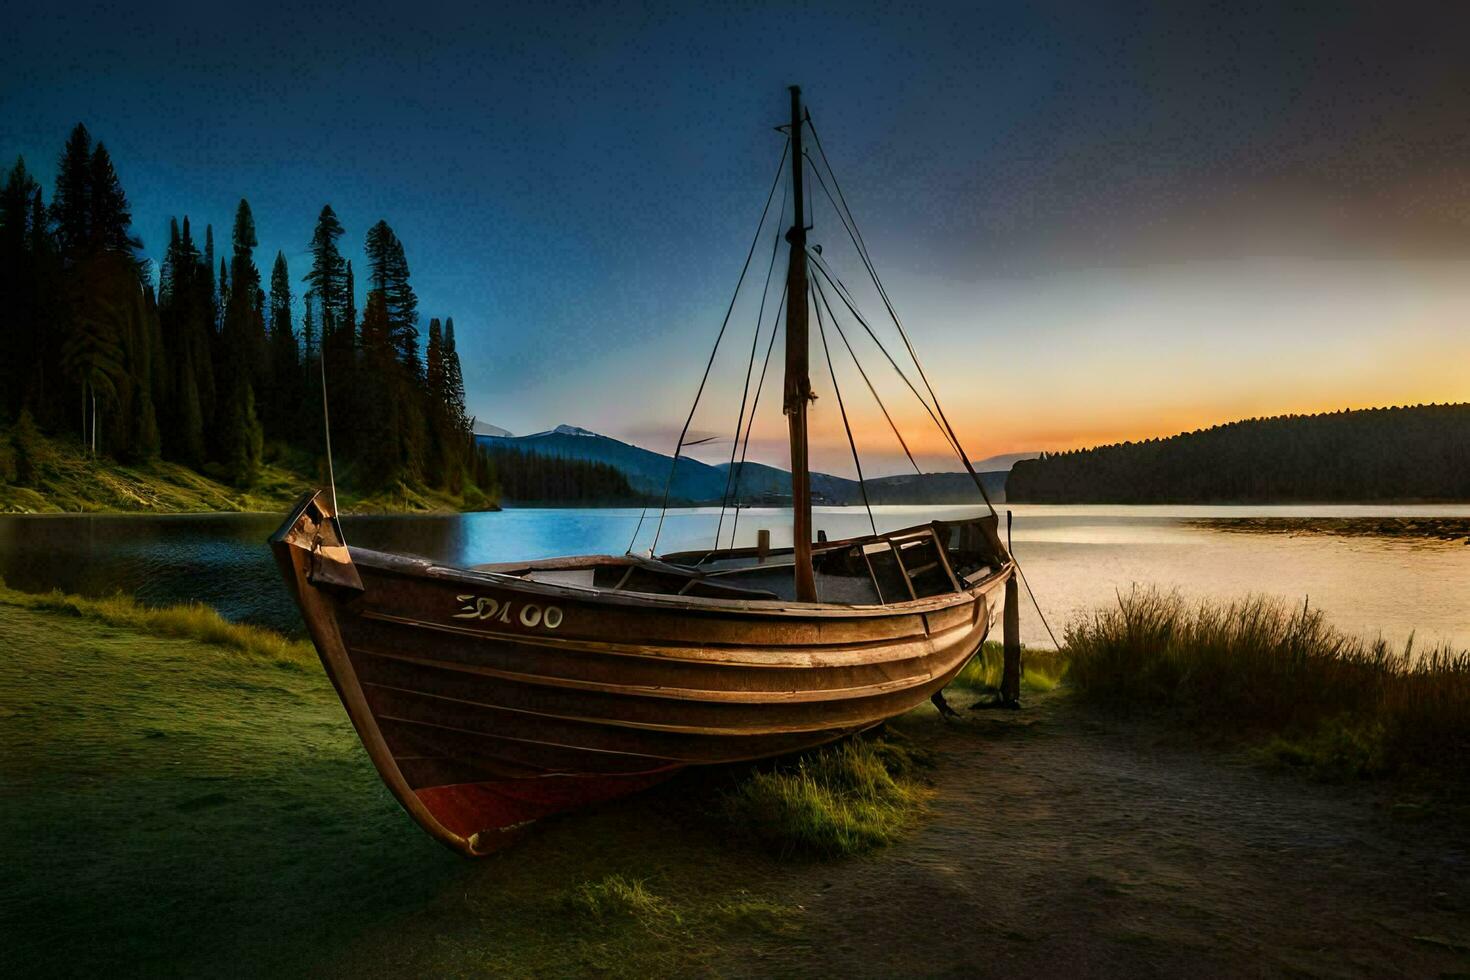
(61, 478)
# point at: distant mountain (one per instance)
(697, 482)
(646, 470)
(1411, 453)
(936, 488)
(1001, 463)
(486, 429)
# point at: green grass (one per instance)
(1259, 669)
(68, 480)
(194, 621)
(1041, 670)
(181, 798)
(617, 897)
(840, 800)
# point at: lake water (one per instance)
(1076, 557)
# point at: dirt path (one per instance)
(1064, 844)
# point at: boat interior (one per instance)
(933, 559)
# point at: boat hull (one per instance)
(487, 700)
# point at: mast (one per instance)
(798, 393)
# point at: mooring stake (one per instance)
(1010, 678)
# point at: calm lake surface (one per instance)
(1076, 557)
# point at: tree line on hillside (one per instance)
(1417, 452)
(210, 368)
(529, 477)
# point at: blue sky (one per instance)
(1099, 220)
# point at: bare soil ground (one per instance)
(1063, 843)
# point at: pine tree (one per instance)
(454, 379)
(15, 213)
(189, 439)
(223, 301)
(328, 277)
(285, 400)
(244, 278)
(379, 241)
(244, 440)
(280, 300)
(19, 350)
(374, 338)
(388, 271)
(186, 386)
(170, 262)
(208, 259)
(105, 349)
(148, 437)
(111, 217)
(36, 301)
(309, 348)
(71, 204)
(377, 436)
(434, 373)
(242, 344)
(403, 311)
(349, 316)
(439, 459)
(92, 355)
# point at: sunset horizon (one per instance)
(1171, 275)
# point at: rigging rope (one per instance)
(683, 433)
(1036, 605)
(846, 301)
(822, 296)
(862, 484)
(847, 298)
(868, 262)
(749, 369)
(750, 423)
(850, 223)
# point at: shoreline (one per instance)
(1450, 530)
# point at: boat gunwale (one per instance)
(388, 563)
(654, 650)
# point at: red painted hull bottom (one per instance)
(468, 808)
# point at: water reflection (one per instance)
(1076, 557)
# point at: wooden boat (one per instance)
(490, 696)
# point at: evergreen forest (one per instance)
(212, 363)
(1419, 452)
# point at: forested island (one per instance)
(1409, 453)
(204, 368)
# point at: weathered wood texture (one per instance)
(1010, 677)
(486, 699)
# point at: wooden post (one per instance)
(1010, 678)
(762, 545)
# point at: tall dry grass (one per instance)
(1260, 667)
(191, 621)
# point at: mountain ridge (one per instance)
(697, 482)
